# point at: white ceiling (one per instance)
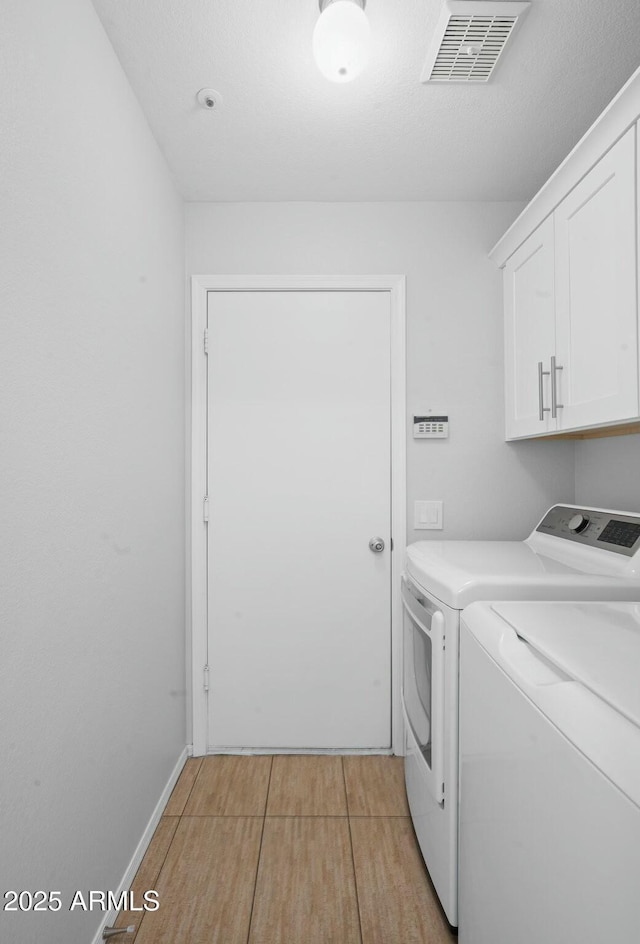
(286, 133)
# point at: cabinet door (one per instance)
(529, 334)
(596, 304)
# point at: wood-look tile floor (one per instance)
(290, 849)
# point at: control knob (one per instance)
(578, 524)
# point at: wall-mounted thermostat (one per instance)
(430, 427)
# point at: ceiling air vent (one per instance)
(470, 38)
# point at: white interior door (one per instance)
(299, 481)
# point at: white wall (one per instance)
(608, 472)
(454, 311)
(91, 386)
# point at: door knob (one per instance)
(376, 545)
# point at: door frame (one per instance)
(196, 540)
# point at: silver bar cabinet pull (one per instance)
(542, 409)
(555, 406)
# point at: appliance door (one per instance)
(423, 681)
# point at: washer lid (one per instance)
(461, 572)
(578, 664)
(596, 644)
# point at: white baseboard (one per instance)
(385, 751)
(141, 848)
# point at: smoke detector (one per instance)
(209, 99)
(470, 38)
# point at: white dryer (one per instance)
(574, 553)
(549, 773)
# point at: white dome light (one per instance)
(341, 40)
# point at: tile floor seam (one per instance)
(137, 930)
(155, 881)
(195, 780)
(353, 860)
(222, 816)
(255, 878)
(308, 815)
(379, 816)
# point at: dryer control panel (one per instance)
(606, 530)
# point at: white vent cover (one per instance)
(469, 39)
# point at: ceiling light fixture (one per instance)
(341, 39)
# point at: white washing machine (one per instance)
(573, 554)
(550, 773)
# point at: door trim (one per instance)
(196, 539)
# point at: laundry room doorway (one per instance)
(299, 463)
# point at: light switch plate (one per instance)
(427, 515)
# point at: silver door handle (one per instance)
(555, 406)
(542, 409)
(376, 545)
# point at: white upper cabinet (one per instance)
(571, 264)
(530, 334)
(596, 377)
